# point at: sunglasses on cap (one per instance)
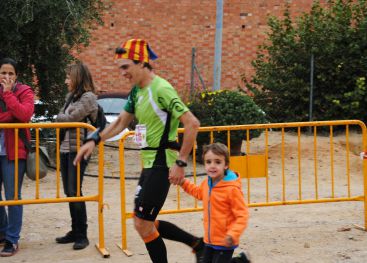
(121, 51)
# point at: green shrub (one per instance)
(335, 34)
(223, 108)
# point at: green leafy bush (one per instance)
(222, 108)
(333, 33)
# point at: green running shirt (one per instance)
(150, 106)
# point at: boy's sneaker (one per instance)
(240, 258)
(9, 249)
(2, 241)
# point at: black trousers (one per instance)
(217, 256)
(78, 211)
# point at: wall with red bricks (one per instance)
(174, 27)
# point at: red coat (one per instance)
(19, 109)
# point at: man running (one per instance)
(159, 110)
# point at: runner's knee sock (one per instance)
(170, 231)
(156, 248)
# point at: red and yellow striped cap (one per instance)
(135, 49)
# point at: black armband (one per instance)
(181, 163)
(94, 136)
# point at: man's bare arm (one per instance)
(117, 126)
(111, 130)
(191, 125)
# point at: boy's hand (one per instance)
(181, 182)
(229, 241)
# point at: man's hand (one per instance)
(176, 175)
(84, 152)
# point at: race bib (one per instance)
(141, 135)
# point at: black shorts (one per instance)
(151, 192)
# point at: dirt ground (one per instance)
(323, 232)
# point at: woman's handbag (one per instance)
(44, 159)
(31, 163)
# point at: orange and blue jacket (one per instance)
(225, 210)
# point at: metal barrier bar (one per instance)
(248, 178)
(315, 162)
(57, 163)
(299, 164)
(37, 164)
(16, 168)
(286, 187)
(347, 158)
(365, 184)
(266, 164)
(78, 165)
(310, 201)
(283, 171)
(101, 245)
(124, 216)
(194, 173)
(332, 163)
(50, 200)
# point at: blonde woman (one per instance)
(81, 102)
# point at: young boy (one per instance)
(225, 210)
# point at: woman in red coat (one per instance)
(17, 102)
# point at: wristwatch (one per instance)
(94, 136)
(181, 163)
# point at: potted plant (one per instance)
(222, 108)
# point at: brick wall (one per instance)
(174, 27)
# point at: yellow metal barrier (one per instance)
(249, 166)
(283, 187)
(98, 197)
